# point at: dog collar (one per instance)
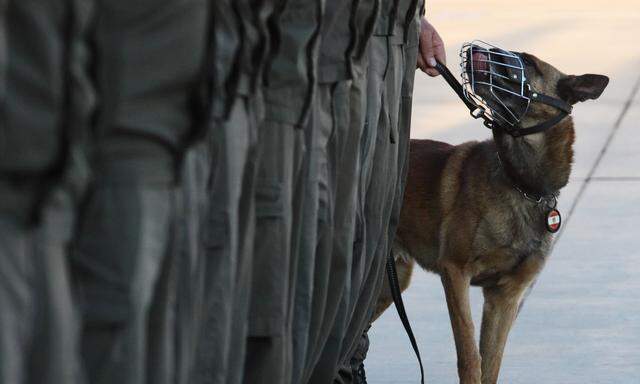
(550, 199)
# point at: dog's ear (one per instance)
(580, 88)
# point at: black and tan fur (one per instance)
(463, 219)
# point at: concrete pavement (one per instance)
(581, 323)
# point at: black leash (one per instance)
(392, 274)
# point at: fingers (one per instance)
(426, 43)
(420, 64)
(431, 47)
(438, 48)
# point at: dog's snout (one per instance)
(479, 61)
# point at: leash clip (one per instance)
(477, 113)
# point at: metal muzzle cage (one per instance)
(494, 79)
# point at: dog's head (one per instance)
(507, 83)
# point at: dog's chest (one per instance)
(506, 238)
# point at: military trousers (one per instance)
(38, 322)
(378, 179)
(269, 343)
(125, 265)
(332, 285)
(358, 352)
(225, 260)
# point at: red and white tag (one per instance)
(554, 220)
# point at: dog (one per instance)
(477, 214)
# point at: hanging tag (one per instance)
(554, 220)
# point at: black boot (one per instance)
(359, 375)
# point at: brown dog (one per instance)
(468, 218)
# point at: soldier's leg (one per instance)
(321, 220)
(195, 173)
(227, 232)
(17, 288)
(343, 164)
(268, 350)
(123, 247)
(377, 58)
(38, 330)
(246, 234)
(356, 367)
(381, 186)
(54, 350)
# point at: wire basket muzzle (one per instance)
(494, 79)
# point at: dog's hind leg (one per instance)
(500, 310)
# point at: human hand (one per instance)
(431, 47)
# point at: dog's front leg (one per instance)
(500, 310)
(456, 284)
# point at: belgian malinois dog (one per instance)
(479, 213)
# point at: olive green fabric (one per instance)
(224, 269)
(315, 197)
(196, 169)
(138, 96)
(344, 149)
(290, 77)
(4, 55)
(290, 73)
(336, 39)
(357, 355)
(226, 40)
(269, 348)
(38, 326)
(227, 230)
(148, 60)
(124, 263)
(318, 213)
(46, 103)
(34, 81)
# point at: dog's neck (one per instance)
(539, 164)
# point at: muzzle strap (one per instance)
(552, 101)
(518, 132)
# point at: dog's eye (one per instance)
(529, 62)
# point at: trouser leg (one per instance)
(304, 246)
(269, 345)
(16, 300)
(120, 264)
(227, 249)
(350, 372)
(195, 173)
(344, 165)
(246, 234)
(321, 178)
(38, 323)
(385, 69)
